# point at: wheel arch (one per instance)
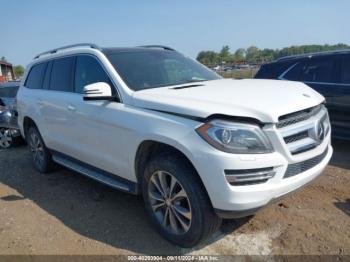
(149, 149)
(27, 122)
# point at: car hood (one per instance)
(264, 100)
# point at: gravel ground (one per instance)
(66, 213)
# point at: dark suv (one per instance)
(9, 133)
(326, 72)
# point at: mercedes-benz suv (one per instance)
(149, 120)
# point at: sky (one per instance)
(33, 26)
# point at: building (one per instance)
(6, 72)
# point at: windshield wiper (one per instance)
(187, 86)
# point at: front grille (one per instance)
(299, 116)
(296, 137)
(302, 131)
(297, 168)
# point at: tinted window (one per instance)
(293, 72)
(154, 68)
(273, 70)
(8, 92)
(317, 70)
(61, 74)
(35, 77)
(46, 83)
(88, 71)
(345, 70)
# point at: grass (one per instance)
(238, 74)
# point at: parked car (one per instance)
(9, 132)
(326, 72)
(151, 121)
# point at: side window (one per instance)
(61, 74)
(35, 77)
(317, 70)
(88, 71)
(345, 70)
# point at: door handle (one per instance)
(40, 102)
(71, 108)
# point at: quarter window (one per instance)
(88, 71)
(35, 77)
(61, 74)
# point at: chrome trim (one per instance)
(326, 83)
(256, 176)
(281, 77)
(316, 126)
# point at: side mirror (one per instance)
(98, 91)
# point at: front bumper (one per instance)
(230, 201)
(8, 119)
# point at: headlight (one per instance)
(235, 138)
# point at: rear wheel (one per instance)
(41, 155)
(6, 139)
(177, 203)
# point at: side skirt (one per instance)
(95, 173)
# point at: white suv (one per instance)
(148, 120)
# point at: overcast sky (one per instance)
(32, 26)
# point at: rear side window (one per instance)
(35, 77)
(317, 70)
(88, 71)
(345, 70)
(61, 74)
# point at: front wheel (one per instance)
(177, 202)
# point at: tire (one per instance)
(42, 157)
(189, 218)
(6, 139)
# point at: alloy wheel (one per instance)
(170, 203)
(37, 149)
(5, 138)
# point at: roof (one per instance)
(5, 63)
(332, 52)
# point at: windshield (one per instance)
(153, 68)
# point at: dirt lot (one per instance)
(65, 213)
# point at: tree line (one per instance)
(254, 55)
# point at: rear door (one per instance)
(56, 100)
(340, 100)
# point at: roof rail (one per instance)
(66, 47)
(158, 46)
(313, 54)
